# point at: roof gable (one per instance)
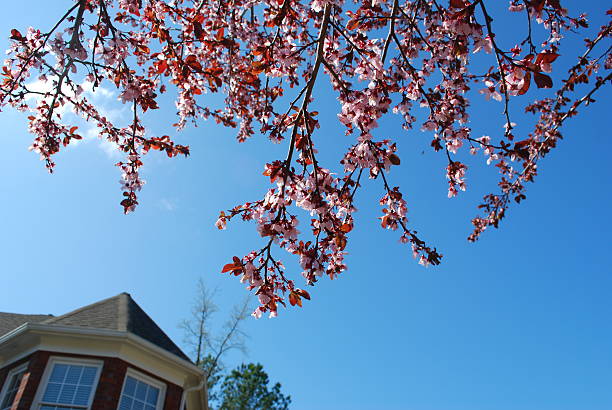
(139, 323)
(120, 313)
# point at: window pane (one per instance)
(15, 380)
(126, 403)
(141, 391)
(67, 394)
(138, 405)
(89, 376)
(52, 392)
(82, 395)
(130, 386)
(74, 374)
(69, 384)
(58, 373)
(152, 395)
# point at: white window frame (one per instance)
(161, 399)
(8, 379)
(53, 360)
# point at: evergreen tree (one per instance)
(246, 388)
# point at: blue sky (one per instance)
(518, 321)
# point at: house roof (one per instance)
(10, 321)
(120, 313)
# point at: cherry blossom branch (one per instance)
(311, 82)
(254, 53)
(500, 66)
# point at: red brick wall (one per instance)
(31, 380)
(109, 386)
(173, 397)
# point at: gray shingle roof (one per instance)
(119, 313)
(11, 321)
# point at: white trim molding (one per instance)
(101, 335)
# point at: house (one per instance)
(109, 355)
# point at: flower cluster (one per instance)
(413, 58)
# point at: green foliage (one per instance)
(246, 388)
(207, 363)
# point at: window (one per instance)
(141, 393)
(69, 384)
(11, 386)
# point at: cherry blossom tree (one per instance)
(412, 58)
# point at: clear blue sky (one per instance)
(518, 321)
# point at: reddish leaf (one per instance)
(220, 34)
(522, 144)
(192, 61)
(346, 228)
(230, 267)
(340, 242)
(352, 24)
(162, 66)
(394, 159)
(459, 4)
(235, 268)
(16, 35)
(542, 80)
(258, 67)
(141, 48)
(272, 171)
(546, 58)
(303, 293)
(294, 299)
(538, 5)
(521, 148)
(197, 30)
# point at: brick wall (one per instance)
(173, 397)
(31, 380)
(109, 386)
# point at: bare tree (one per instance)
(208, 348)
(195, 328)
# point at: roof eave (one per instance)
(103, 333)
